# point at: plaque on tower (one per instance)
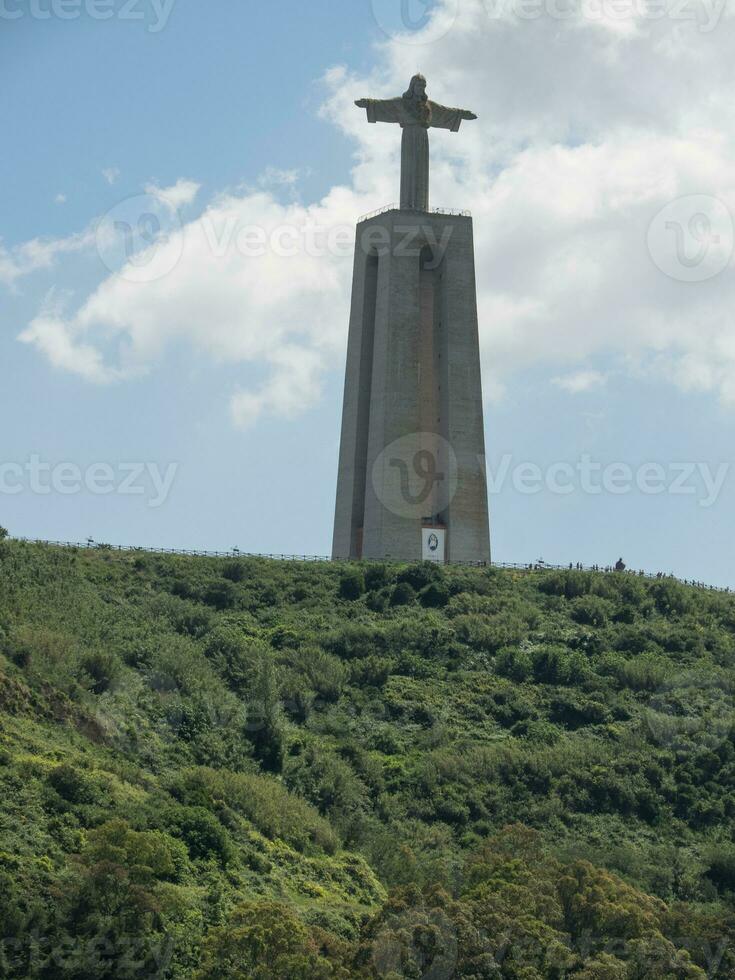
(411, 481)
(434, 544)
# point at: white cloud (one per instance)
(564, 177)
(53, 339)
(587, 130)
(580, 381)
(275, 177)
(60, 199)
(177, 196)
(293, 387)
(251, 281)
(39, 253)
(111, 174)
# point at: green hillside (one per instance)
(215, 768)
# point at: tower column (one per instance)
(412, 453)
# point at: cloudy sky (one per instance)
(180, 189)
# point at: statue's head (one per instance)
(417, 89)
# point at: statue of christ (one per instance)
(416, 114)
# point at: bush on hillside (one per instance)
(352, 583)
(403, 594)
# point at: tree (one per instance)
(120, 905)
(262, 941)
(265, 715)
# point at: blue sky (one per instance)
(593, 345)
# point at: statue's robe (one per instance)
(415, 121)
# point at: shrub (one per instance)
(574, 711)
(569, 584)
(376, 576)
(221, 595)
(103, 670)
(490, 633)
(233, 656)
(325, 673)
(235, 571)
(644, 673)
(177, 665)
(73, 785)
(186, 617)
(550, 665)
(632, 639)
(403, 594)
(264, 801)
(514, 664)
(326, 780)
(373, 671)
(590, 610)
(378, 601)
(631, 590)
(428, 636)
(434, 596)
(144, 854)
(283, 638)
(352, 583)
(297, 698)
(421, 574)
(537, 731)
(265, 715)
(356, 640)
(671, 597)
(201, 831)
(720, 866)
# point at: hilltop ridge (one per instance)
(248, 768)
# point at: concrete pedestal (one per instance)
(412, 453)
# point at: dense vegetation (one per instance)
(250, 769)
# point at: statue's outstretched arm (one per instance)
(382, 110)
(443, 117)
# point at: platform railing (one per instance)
(529, 567)
(395, 207)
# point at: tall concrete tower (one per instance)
(411, 481)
